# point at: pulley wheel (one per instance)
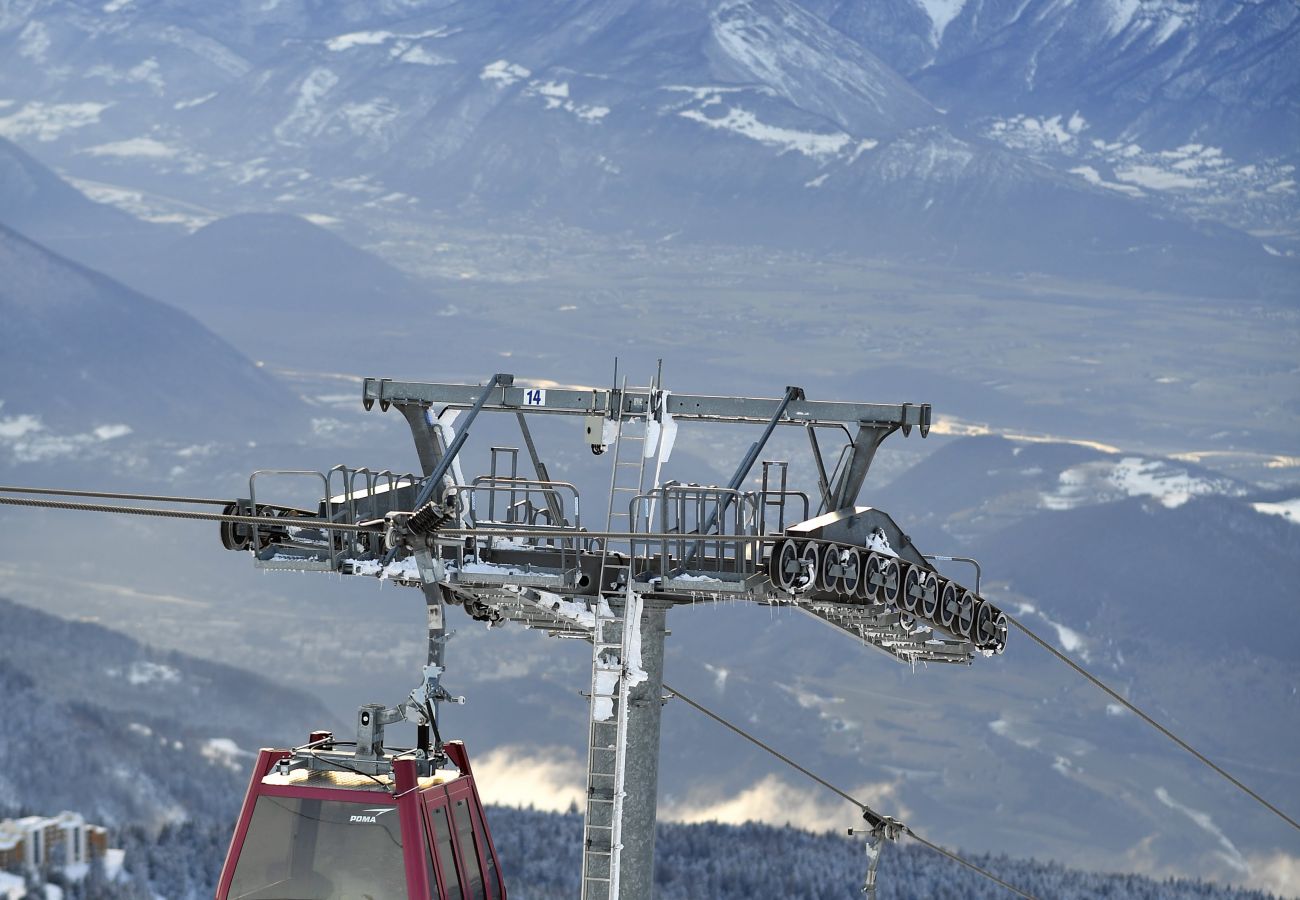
(784, 567)
(930, 596)
(851, 563)
(911, 588)
(809, 563)
(948, 602)
(830, 571)
(984, 627)
(234, 535)
(869, 585)
(966, 614)
(892, 576)
(999, 642)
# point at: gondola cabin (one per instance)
(320, 823)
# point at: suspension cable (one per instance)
(1129, 705)
(65, 492)
(291, 521)
(484, 532)
(867, 810)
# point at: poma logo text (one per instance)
(371, 819)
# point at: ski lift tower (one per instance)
(507, 547)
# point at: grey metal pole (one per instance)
(433, 481)
(641, 779)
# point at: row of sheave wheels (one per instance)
(861, 575)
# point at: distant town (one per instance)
(33, 847)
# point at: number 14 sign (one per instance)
(534, 397)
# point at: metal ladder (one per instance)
(626, 481)
(611, 633)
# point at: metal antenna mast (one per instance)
(504, 547)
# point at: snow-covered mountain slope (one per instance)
(84, 360)
(720, 120)
(1193, 105)
(254, 277)
(41, 205)
(123, 733)
(1161, 72)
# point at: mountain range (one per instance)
(1153, 136)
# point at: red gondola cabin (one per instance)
(316, 825)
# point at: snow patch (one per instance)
(1103, 481)
(555, 94)
(1092, 176)
(570, 610)
(109, 432)
(503, 73)
(377, 38)
(420, 56)
(147, 72)
(719, 676)
(398, 570)
(114, 862)
(12, 887)
(1121, 14)
(29, 440)
(1004, 728)
(187, 104)
(15, 427)
(1168, 27)
(1157, 179)
(1287, 509)
(812, 144)
(142, 672)
(48, 121)
(140, 147)
(226, 753)
(878, 542)
(1228, 852)
(321, 219)
(357, 39)
(149, 208)
(1039, 133)
(306, 113)
(34, 41)
(1069, 639)
(941, 13)
(369, 118)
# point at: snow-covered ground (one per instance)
(1132, 476)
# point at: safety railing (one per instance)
(700, 531)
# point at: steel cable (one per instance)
(295, 522)
(826, 784)
(326, 524)
(1127, 704)
(65, 492)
